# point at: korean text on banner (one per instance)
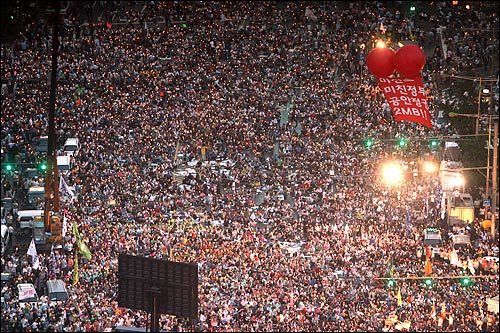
(407, 99)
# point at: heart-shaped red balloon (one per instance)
(380, 61)
(409, 60)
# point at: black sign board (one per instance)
(174, 284)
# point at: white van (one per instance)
(433, 239)
(71, 146)
(25, 220)
(64, 164)
(57, 290)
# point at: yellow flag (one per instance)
(75, 270)
(84, 249)
(400, 300)
(75, 230)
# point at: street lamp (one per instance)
(481, 81)
(494, 120)
(392, 173)
(430, 167)
(477, 116)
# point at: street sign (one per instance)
(486, 202)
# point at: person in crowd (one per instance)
(228, 135)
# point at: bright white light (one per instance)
(430, 167)
(392, 173)
(458, 181)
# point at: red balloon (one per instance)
(380, 61)
(409, 60)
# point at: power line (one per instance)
(438, 277)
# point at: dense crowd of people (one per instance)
(230, 136)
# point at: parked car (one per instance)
(460, 241)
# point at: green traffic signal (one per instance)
(43, 166)
(434, 143)
(466, 281)
(369, 143)
(428, 282)
(391, 283)
(402, 143)
(8, 167)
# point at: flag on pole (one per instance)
(35, 263)
(75, 230)
(454, 258)
(433, 312)
(400, 300)
(470, 266)
(65, 190)
(310, 14)
(428, 251)
(391, 269)
(382, 28)
(443, 308)
(52, 254)
(64, 228)
(75, 270)
(428, 267)
(82, 247)
(84, 250)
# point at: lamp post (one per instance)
(478, 106)
(495, 175)
(481, 81)
(494, 120)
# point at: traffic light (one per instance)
(402, 143)
(434, 144)
(391, 283)
(412, 8)
(9, 167)
(43, 166)
(428, 283)
(466, 281)
(369, 143)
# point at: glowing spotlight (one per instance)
(392, 173)
(430, 167)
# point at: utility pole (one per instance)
(51, 177)
(495, 183)
(478, 106)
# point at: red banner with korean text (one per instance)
(407, 99)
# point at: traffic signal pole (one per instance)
(495, 181)
(51, 177)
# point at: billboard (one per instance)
(174, 283)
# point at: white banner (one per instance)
(26, 293)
